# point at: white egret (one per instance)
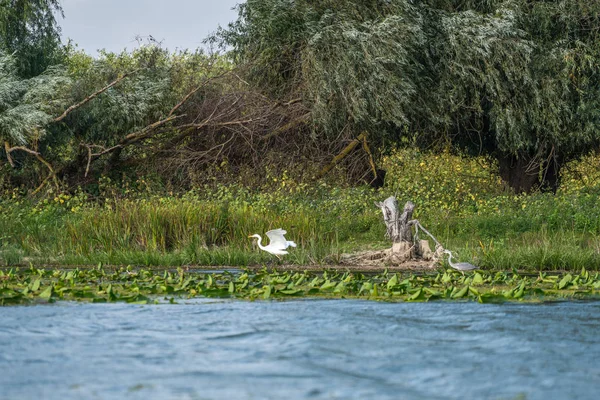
(277, 242)
(461, 266)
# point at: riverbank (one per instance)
(533, 233)
(460, 201)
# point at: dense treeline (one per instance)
(301, 80)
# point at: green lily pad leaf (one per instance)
(36, 285)
(267, 292)
(392, 282)
(291, 292)
(461, 293)
(47, 293)
(418, 295)
(340, 288)
(375, 292)
(328, 285)
(186, 283)
(518, 293)
(565, 281)
(446, 278)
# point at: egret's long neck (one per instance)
(450, 258)
(260, 246)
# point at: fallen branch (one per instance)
(93, 95)
(34, 153)
(343, 154)
(142, 133)
(134, 137)
(36, 191)
(418, 225)
(371, 161)
(8, 157)
(298, 121)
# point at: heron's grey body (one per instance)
(461, 266)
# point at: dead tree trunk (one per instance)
(397, 225)
(399, 230)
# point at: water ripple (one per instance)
(307, 349)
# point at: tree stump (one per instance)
(407, 250)
(399, 228)
(400, 231)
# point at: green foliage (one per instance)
(442, 182)
(360, 73)
(28, 29)
(156, 82)
(516, 78)
(142, 286)
(458, 200)
(135, 102)
(28, 105)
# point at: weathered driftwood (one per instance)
(405, 246)
(398, 228)
(407, 251)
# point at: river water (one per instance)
(304, 349)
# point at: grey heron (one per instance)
(461, 266)
(277, 242)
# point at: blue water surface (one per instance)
(305, 349)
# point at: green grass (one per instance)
(463, 206)
(184, 231)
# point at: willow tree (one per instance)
(28, 29)
(514, 79)
(26, 108)
(523, 85)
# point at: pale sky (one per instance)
(114, 24)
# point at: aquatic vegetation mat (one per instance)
(142, 286)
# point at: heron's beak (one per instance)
(250, 236)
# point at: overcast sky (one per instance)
(114, 24)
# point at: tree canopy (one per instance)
(28, 28)
(516, 79)
(27, 105)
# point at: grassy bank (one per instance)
(459, 200)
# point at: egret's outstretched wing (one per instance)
(277, 240)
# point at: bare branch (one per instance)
(89, 161)
(144, 131)
(37, 155)
(343, 154)
(92, 96)
(290, 125)
(8, 157)
(194, 91)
